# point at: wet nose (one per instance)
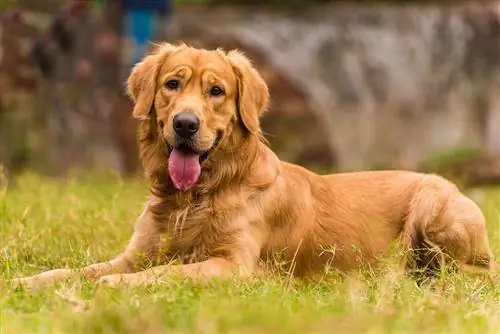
(186, 124)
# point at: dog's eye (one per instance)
(172, 84)
(216, 91)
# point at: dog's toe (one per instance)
(23, 283)
(110, 281)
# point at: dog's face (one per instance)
(201, 99)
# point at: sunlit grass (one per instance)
(47, 224)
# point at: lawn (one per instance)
(47, 224)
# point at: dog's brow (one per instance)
(217, 72)
(210, 72)
(177, 69)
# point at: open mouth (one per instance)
(187, 149)
(184, 163)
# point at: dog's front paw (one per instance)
(28, 283)
(111, 281)
(40, 280)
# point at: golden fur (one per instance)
(248, 206)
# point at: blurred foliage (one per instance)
(452, 163)
(253, 2)
(22, 135)
(4, 182)
(442, 161)
(290, 3)
(5, 4)
(466, 165)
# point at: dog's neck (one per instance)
(232, 164)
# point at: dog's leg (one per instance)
(242, 261)
(144, 242)
(447, 222)
(463, 236)
(92, 272)
(445, 227)
(213, 267)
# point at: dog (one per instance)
(221, 202)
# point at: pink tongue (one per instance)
(184, 169)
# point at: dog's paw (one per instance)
(27, 283)
(111, 281)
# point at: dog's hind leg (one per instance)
(445, 227)
(461, 234)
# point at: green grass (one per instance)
(47, 224)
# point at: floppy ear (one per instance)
(253, 94)
(141, 84)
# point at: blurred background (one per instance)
(354, 84)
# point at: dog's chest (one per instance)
(190, 235)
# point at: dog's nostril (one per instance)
(186, 124)
(177, 125)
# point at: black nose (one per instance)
(186, 124)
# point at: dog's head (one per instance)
(204, 101)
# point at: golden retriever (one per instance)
(221, 200)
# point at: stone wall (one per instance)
(386, 85)
(353, 86)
